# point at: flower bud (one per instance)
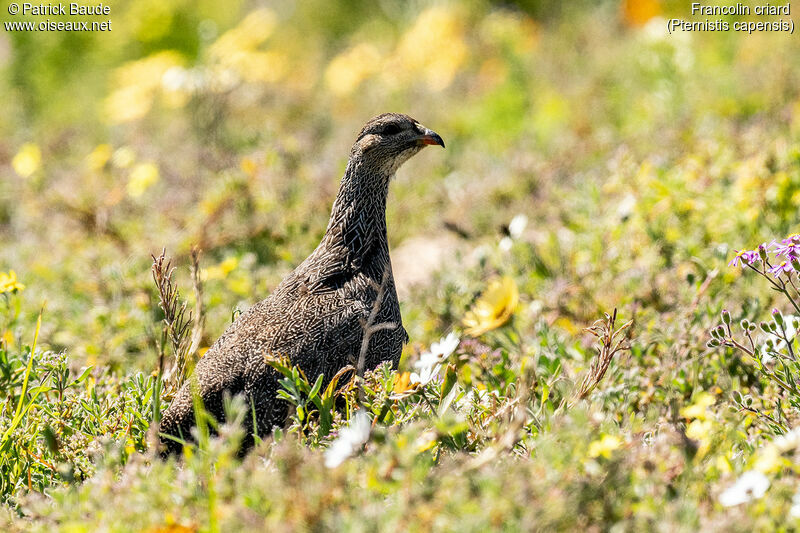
(721, 332)
(745, 324)
(765, 327)
(778, 317)
(726, 316)
(762, 251)
(713, 343)
(795, 264)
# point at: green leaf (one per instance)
(444, 405)
(450, 379)
(82, 377)
(30, 365)
(286, 396)
(36, 391)
(20, 413)
(317, 386)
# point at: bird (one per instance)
(316, 315)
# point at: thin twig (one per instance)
(371, 328)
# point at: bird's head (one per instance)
(389, 140)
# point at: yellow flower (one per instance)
(248, 35)
(123, 157)
(248, 166)
(99, 156)
(172, 528)
(347, 70)
(700, 431)
(221, 270)
(7, 338)
(438, 28)
(699, 409)
(426, 441)
(143, 176)
(723, 463)
(239, 284)
(136, 85)
(9, 283)
(402, 383)
(604, 446)
(638, 12)
(493, 308)
(239, 51)
(28, 160)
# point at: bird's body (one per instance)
(316, 315)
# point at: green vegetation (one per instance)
(594, 163)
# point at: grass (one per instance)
(587, 383)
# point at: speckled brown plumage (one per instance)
(315, 316)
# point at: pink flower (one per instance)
(744, 257)
(784, 266)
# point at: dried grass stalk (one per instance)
(611, 341)
(183, 331)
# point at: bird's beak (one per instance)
(430, 137)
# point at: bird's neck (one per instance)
(358, 219)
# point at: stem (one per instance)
(764, 415)
(794, 304)
(785, 337)
(750, 338)
(425, 397)
(780, 287)
(789, 276)
(735, 343)
(769, 374)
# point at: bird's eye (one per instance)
(390, 129)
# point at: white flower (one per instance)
(174, 78)
(626, 206)
(480, 253)
(505, 244)
(427, 360)
(446, 345)
(181, 79)
(653, 31)
(789, 441)
(426, 374)
(750, 486)
(439, 351)
(517, 226)
(350, 439)
(794, 511)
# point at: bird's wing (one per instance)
(330, 272)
